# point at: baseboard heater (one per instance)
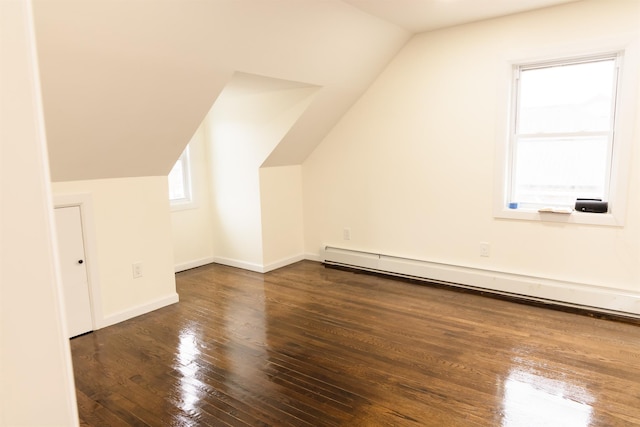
(616, 302)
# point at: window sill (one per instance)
(183, 206)
(575, 217)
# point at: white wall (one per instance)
(125, 78)
(192, 228)
(410, 168)
(132, 224)
(246, 123)
(255, 219)
(36, 377)
(281, 210)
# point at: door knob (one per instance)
(80, 261)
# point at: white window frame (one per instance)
(188, 201)
(623, 131)
(518, 137)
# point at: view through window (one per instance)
(180, 180)
(562, 131)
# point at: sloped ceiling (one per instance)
(418, 16)
(255, 112)
(126, 83)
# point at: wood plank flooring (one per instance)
(312, 346)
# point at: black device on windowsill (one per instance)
(591, 206)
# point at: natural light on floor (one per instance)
(533, 400)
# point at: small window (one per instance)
(180, 180)
(562, 131)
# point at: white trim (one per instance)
(313, 257)
(183, 206)
(84, 202)
(282, 263)
(239, 264)
(575, 217)
(258, 268)
(139, 310)
(24, 10)
(573, 294)
(624, 128)
(193, 264)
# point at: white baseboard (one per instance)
(121, 316)
(282, 263)
(239, 264)
(193, 264)
(313, 257)
(598, 298)
(258, 268)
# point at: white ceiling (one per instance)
(417, 16)
(126, 83)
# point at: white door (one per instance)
(74, 271)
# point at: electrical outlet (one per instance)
(346, 234)
(137, 269)
(485, 249)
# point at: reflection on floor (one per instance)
(309, 346)
(530, 399)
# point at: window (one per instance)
(562, 140)
(180, 181)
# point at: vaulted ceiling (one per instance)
(126, 83)
(418, 16)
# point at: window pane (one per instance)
(567, 98)
(176, 182)
(556, 171)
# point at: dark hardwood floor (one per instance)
(310, 346)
